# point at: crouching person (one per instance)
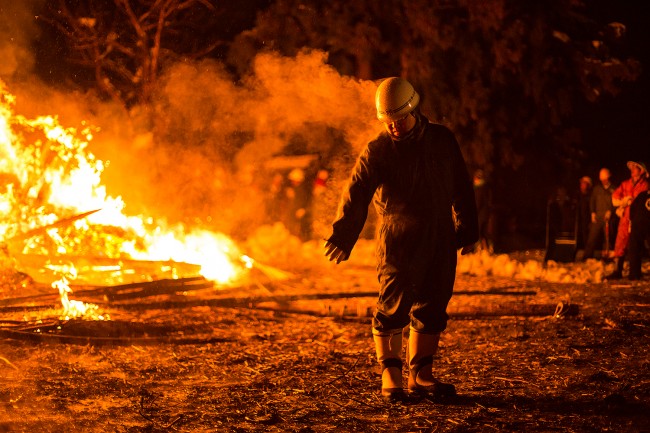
(425, 199)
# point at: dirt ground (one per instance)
(297, 356)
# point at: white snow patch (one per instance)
(276, 246)
(483, 263)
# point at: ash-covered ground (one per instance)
(526, 352)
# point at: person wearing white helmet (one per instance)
(622, 198)
(425, 199)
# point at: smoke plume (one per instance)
(198, 152)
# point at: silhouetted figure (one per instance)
(483, 195)
(639, 233)
(320, 203)
(601, 210)
(274, 199)
(298, 212)
(584, 215)
(561, 227)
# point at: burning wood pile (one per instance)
(59, 226)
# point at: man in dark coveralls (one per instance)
(639, 232)
(424, 196)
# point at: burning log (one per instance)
(144, 290)
(45, 184)
(121, 292)
(96, 271)
(64, 222)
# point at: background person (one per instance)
(600, 209)
(561, 225)
(298, 196)
(639, 232)
(622, 198)
(584, 215)
(483, 195)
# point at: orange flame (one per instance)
(49, 173)
(75, 309)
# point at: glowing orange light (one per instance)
(50, 174)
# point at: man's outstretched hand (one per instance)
(334, 253)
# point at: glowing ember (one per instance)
(48, 174)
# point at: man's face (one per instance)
(604, 177)
(401, 127)
(635, 171)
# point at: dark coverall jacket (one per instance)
(639, 232)
(415, 182)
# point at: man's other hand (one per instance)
(334, 253)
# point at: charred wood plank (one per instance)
(284, 303)
(111, 341)
(100, 268)
(533, 310)
(120, 292)
(110, 333)
(146, 289)
(526, 310)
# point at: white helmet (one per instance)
(395, 98)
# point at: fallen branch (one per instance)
(146, 289)
(101, 268)
(117, 333)
(2, 358)
(516, 380)
(528, 310)
(107, 341)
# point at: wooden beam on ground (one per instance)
(95, 271)
(526, 310)
(121, 292)
(145, 289)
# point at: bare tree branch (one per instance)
(125, 42)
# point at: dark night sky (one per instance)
(615, 129)
(618, 129)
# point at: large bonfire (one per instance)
(56, 216)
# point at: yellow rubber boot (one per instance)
(388, 345)
(422, 349)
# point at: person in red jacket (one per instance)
(622, 198)
(425, 199)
